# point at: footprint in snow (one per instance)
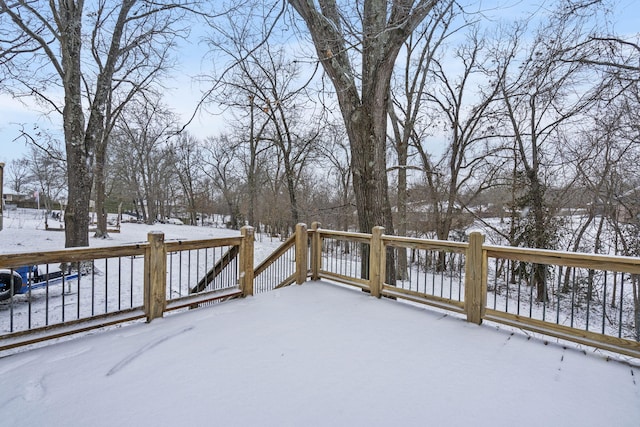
(34, 390)
(127, 360)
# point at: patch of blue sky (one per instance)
(184, 90)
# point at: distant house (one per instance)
(624, 207)
(10, 196)
(629, 206)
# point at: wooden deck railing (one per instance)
(98, 287)
(586, 298)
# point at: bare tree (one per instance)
(541, 101)
(265, 90)
(238, 94)
(441, 110)
(408, 115)
(187, 153)
(275, 83)
(46, 48)
(142, 58)
(334, 151)
(142, 137)
(357, 45)
(369, 34)
(463, 105)
(17, 175)
(48, 174)
(222, 164)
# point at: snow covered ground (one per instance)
(316, 354)
(24, 231)
(112, 284)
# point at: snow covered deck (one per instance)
(315, 355)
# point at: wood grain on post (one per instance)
(246, 260)
(316, 251)
(376, 262)
(155, 269)
(302, 253)
(475, 294)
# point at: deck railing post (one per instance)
(302, 253)
(316, 251)
(376, 262)
(155, 276)
(475, 280)
(246, 260)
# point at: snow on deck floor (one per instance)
(314, 355)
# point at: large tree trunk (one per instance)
(366, 128)
(96, 136)
(100, 195)
(385, 27)
(79, 155)
(81, 144)
(369, 174)
(540, 238)
(80, 179)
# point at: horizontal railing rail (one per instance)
(71, 288)
(586, 298)
(76, 290)
(427, 271)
